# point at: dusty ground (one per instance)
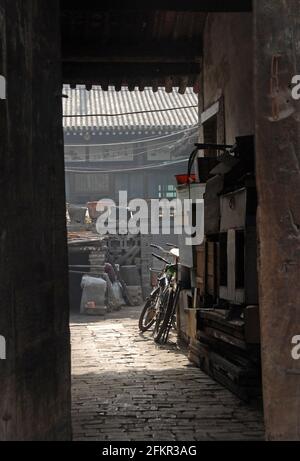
(127, 388)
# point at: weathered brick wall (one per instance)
(35, 378)
(228, 70)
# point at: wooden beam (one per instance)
(277, 59)
(159, 5)
(167, 52)
(96, 73)
(178, 59)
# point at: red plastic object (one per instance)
(91, 305)
(185, 179)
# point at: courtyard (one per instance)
(125, 388)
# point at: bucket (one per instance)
(77, 214)
(92, 209)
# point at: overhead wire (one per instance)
(137, 154)
(142, 168)
(123, 114)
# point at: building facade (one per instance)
(126, 140)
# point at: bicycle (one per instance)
(165, 319)
(148, 314)
(160, 307)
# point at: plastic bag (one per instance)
(93, 290)
(114, 294)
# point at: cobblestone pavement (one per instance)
(127, 388)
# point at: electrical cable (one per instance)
(81, 273)
(157, 148)
(147, 167)
(123, 114)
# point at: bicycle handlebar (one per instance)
(172, 245)
(160, 258)
(152, 245)
(157, 247)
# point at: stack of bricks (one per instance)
(97, 259)
(125, 249)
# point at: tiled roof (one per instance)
(88, 110)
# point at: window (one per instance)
(75, 153)
(120, 153)
(239, 259)
(210, 130)
(86, 183)
(223, 260)
(159, 153)
(213, 124)
(167, 191)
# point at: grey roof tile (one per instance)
(81, 102)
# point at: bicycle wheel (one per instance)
(165, 326)
(159, 333)
(147, 317)
(163, 304)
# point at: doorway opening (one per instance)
(119, 375)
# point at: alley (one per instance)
(127, 388)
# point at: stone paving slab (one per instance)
(125, 387)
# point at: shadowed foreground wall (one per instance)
(35, 378)
(277, 28)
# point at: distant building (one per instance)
(127, 137)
